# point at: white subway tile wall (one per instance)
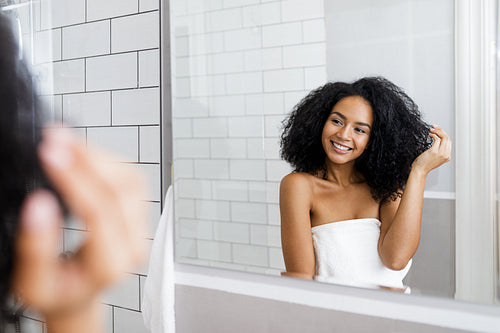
(69, 76)
(128, 300)
(135, 32)
(142, 269)
(116, 71)
(108, 317)
(32, 325)
(84, 40)
(239, 66)
(87, 109)
(147, 5)
(58, 13)
(99, 9)
(43, 53)
(122, 140)
(154, 210)
(103, 58)
(136, 106)
(128, 321)
(149, 150)
(149, 68)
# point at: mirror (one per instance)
(237, 71)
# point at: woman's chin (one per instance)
(340, 160)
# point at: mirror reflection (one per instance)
(351, 211)
(238, 72)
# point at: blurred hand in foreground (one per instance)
(104, 194)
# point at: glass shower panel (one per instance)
(36, 45)
(21, 13)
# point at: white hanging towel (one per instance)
(159, 293)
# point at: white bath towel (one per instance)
(158, 300)
(346, 253)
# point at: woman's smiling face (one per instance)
(346, 132)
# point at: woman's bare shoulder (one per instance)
(297, 187)
(297, 180)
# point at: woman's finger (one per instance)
(437, 142)
(37, 249)
(446, 148)
(439, 132)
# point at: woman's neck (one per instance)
(342, 174)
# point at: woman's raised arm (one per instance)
(400, 230)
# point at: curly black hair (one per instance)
(20, 171)
(398, 135)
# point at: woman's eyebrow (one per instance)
(345, 118)
(340, 115)
(363, 124)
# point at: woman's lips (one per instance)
(341, 149)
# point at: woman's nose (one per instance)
(345, 132)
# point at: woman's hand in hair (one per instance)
(106, 196)
(438, 154)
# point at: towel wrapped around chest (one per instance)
(346, 253)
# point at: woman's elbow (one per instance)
(396, 264)
(305, 276)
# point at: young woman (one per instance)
(351, 210)
(103, 194)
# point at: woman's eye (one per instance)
(337, 121)
(360, 130)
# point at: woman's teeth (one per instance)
(344, 148)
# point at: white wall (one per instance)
(411, 42)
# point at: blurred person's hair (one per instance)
(19, 136)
